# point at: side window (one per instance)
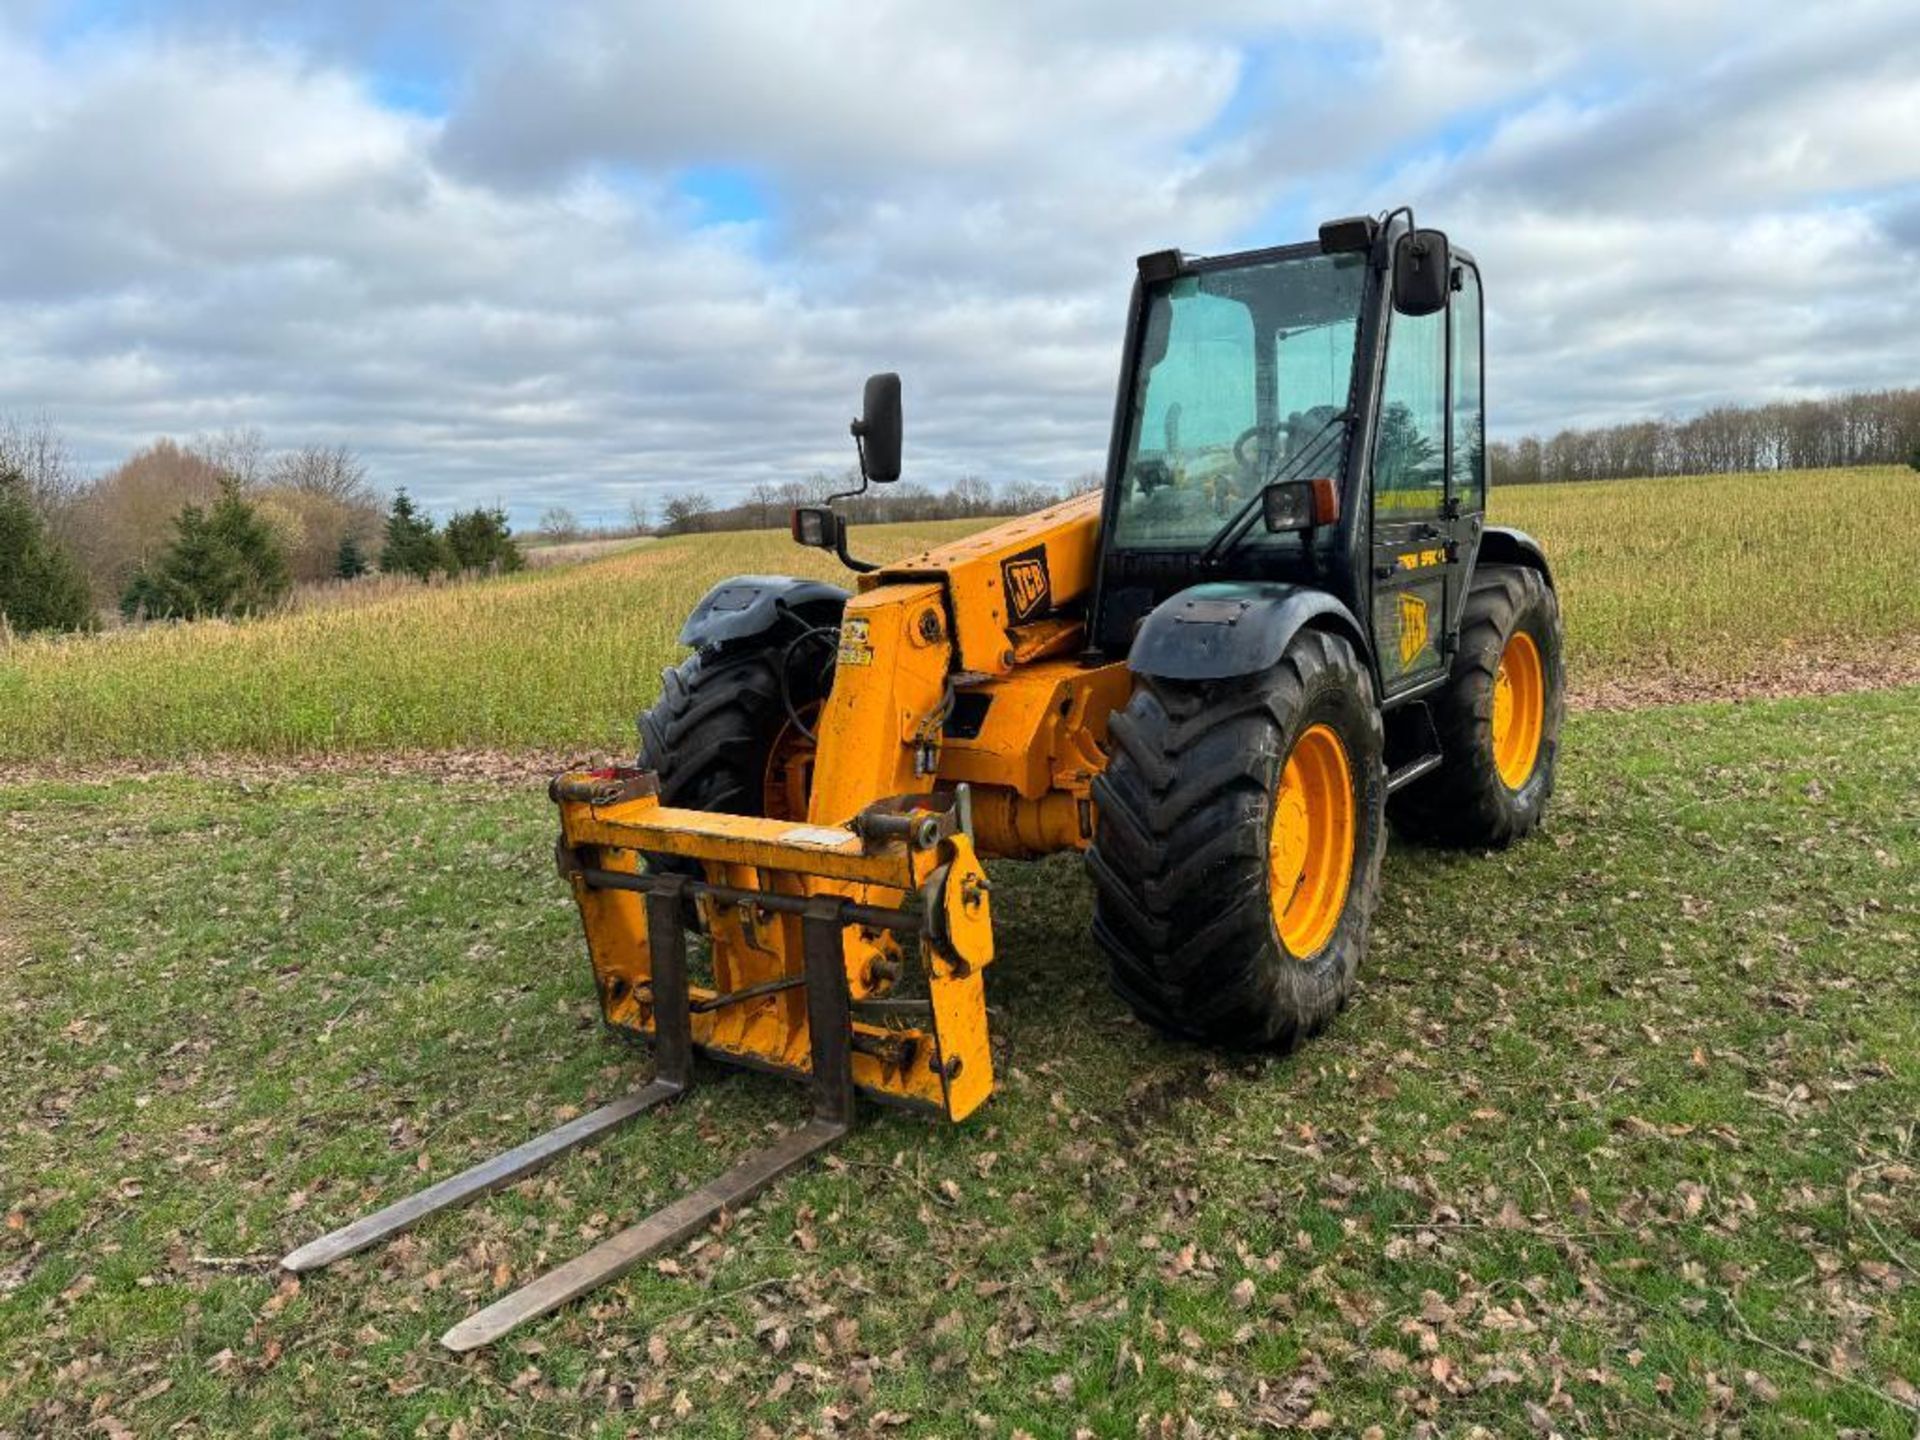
(1410, 449)
(1469, 404)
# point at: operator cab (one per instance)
(1310, 414)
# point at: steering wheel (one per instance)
(1250, 464)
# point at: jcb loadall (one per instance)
(1283, 619)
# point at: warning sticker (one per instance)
(818, 835)
(855, 648)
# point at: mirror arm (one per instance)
(859, 567)
(860, 449)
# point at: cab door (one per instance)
(1428, 486)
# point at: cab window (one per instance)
(1410, 444)
(1469, 404)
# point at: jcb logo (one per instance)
(1413, 629)
(1029, 587)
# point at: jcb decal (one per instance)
(855, 648)
(1413, 628)
(1422, 559)
(1029, 586)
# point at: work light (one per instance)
(1299, 505)
(813, 527)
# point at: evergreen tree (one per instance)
(41, 586)
(479, 540)
(1404, 457)
(225, 561)
(351, 564)
(414, 546)
(1914, 458)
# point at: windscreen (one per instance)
(1241, 374)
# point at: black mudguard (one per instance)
(749, 605)
(1500, 545)
(1223, 629)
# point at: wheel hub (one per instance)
(1519, 710)
(1310, 848)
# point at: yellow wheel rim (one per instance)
(1310, 849)
(1519, 710)
(789, 778)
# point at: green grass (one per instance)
(1709, 578)
(1621, 1126)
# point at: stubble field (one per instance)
(1671, 587)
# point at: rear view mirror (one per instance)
(878, 428)
(1422, 272)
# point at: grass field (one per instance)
(1618, 1137)
(1709, 579)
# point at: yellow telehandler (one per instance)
(1282, 620)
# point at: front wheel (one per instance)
(1237, 848)
(732, 731)
(1498, 718)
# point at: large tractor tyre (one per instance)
(1237, 851)
(1498, 718)
(727, 735)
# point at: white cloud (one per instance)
(214, 218)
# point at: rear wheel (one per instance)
(1498, 718)
(1238, 844)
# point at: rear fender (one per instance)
(1500, 545)
(1223, 629)
(749, 605)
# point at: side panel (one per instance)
(1027, 570)
(887, 688)
(1216, 631)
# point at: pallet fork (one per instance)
(644, 965)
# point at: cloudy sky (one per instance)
(554, 252)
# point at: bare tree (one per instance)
(38, 454)
(557, 522)
(333, 471)
(238, 454)
(1018, 497)
(640, 514)
(764, 500)
(685, 510)
(971, 496)
(125, 517)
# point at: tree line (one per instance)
(767, 506)
(219, 526)
(1869, 427)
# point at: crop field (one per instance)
(1721, 583)
(1621, 1134)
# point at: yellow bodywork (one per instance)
(988, 627)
